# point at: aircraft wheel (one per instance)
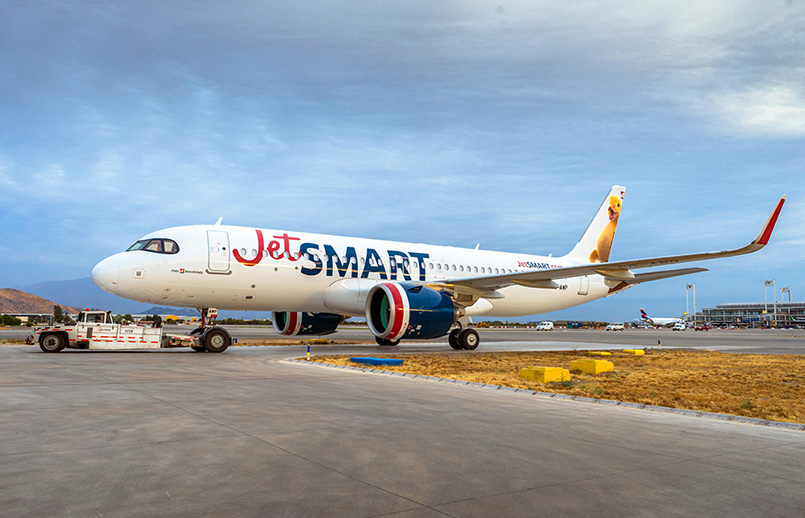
(468, 338)
(453, 340)
(386, 341)
(52, 342)
(216, 340)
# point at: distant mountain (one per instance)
(83, 293)
(162, 310)
(16, 302)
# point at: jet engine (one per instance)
(396, 310)
(292, 323)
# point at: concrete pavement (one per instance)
(240, 434)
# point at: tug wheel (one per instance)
(52, 342)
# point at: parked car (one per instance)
(703, 327)
(545, 326)
(679, 326)
(615, 326)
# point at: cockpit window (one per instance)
(159, 246)
(169, 247)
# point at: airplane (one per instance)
(659, 321)
(312, 282)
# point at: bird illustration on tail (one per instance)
(603, 246)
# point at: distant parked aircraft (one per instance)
(659, 321)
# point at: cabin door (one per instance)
(218, 251)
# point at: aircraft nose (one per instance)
(106, 274)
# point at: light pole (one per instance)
(766, 300)
(786, 289)
(687, 289)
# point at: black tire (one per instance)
(453, 340)
(216, 340)
(385, 341)
(468, 338)
(52, 342)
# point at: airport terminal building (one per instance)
(754, 314)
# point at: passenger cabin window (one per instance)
(159, 246)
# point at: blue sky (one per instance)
(454, 122)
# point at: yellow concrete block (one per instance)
(545, 374)
(600, 353)
(590, 366)
(637, 352)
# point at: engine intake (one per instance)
(397, 310)
(293, 323)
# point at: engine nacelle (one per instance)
(292, 323)
(397, 310)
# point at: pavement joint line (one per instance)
(123, 445)
(343, 474)
(255, 437)
(568, 482)
(550, 395)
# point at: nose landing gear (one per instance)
(212, 339)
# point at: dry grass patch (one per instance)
(12, 341)
(759, 386)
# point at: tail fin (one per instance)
(643, 315)
(596, 243)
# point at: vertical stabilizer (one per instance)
(596, 243)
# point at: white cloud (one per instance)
(773, 110)
(52, 180)
(6, 179)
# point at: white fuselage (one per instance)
(245, 268)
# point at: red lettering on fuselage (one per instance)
(258, 257)
(285, 237)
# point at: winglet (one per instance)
(763, 238)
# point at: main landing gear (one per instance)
(466, 338)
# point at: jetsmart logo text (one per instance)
(344, 264)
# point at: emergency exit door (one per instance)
(218, 251)
(584, 285)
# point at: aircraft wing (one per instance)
(616, 271)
